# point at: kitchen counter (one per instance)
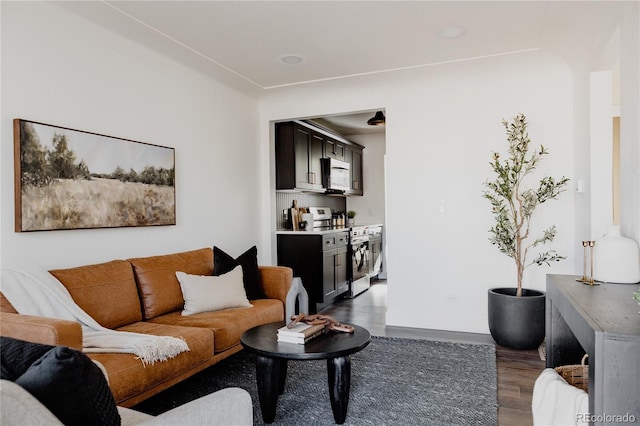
(323, 231)
(312, 232)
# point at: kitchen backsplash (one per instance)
(285, 199)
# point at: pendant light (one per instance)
(377, 120)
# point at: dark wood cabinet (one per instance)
(334, 149)
(334, 268)
(298, 154)
(353, 156)
(328, 275)
(320, 260)
(299, 149)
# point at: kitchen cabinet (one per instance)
(334, 271)
(299, 149)
(353, 156)
(334, 149)
(298, 153)
(320, 260)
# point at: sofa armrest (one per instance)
(19, 407)
(48, 331)
(276, 281)
(229, 407)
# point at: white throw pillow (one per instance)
(205, 293)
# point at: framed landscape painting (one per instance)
(71, 179)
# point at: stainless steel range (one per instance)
(359, 253)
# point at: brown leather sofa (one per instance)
(143, 295)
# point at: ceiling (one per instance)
(241, 43)
(349, 124)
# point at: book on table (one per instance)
(300, 330)
(300, 333)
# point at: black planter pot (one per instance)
(517, 322)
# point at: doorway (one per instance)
(370, 208)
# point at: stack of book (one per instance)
(300, 333)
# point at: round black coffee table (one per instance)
(272, 357)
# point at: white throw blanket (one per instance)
(556, 402)
(37, 292)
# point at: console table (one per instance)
(602, 321)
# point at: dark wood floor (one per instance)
(517, 370)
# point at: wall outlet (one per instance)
(451, 298)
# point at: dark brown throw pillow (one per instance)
(72, 387)
(223, 263)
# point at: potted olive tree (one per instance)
(516, 315)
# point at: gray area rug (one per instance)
(394, 381)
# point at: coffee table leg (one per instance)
(339, 373)
(270, 373)
(283, 376)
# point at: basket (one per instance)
(576, 375)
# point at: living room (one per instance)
(443, 121)
(114, 86)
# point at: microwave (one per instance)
(336, 176)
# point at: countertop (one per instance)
(323, 231)
(311, 232)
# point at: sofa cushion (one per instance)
(157, 283)
(229, 324)
(128, 378)
(64, 380)
(251, 277)
(204, 293)
(91, 286)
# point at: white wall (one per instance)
(582, 161)
(442, 124)
(60, 69)
(630, 121)
(601, 152)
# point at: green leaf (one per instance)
(512, 204)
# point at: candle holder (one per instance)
(585, 244)
(588, 253)
(591, 246)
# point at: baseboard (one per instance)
(439, 335)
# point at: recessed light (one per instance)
(453, 31)
(291, 59)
